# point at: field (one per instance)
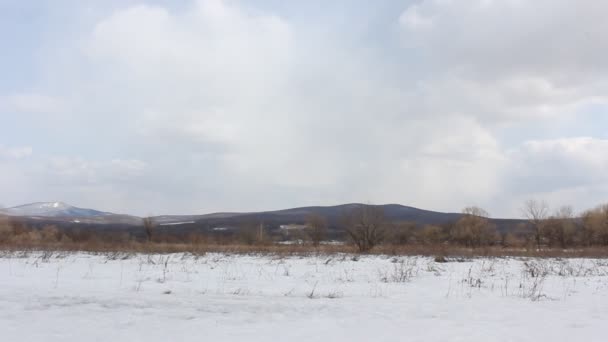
(59, 296)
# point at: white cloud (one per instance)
(31, 103)
(547, 37)
(562, 171)
(301, 118)
(564, 162)
(230, 107)
(15, 152)
(587, 152)
(212, 51)
(79, 171)
(511, 60)
(104, 184)
(414, 20)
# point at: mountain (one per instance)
(333, 214)
(60, 212)
(51, 209)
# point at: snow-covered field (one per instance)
(217, 297)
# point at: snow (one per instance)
(292, 226)
(176, 223)
(52, 209)
(38, 209)
(52, 205)
(219, 297)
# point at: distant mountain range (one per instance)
(51, 209)
(61, 213)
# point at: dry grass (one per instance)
(17, 237)
(443, 251)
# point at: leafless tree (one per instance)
(560, 228)
(148, 223)
(5, 229)
(536, 212)
(595, 225)
(431, 235)
(365, 226)
(316, 228)
(253, 233)
(474, 229)
(402, 233)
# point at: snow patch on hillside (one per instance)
(51, 209)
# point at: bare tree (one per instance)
(474, 229)
(148, 223)
(366, 226)
(5, 229)
(253, 233)
(431, 235)
(402, 233)
(560, 227)
(536, 212)
(475, 211)
(595, 225)
(316, 228)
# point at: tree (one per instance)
(50, 234)
(560, 228)
(252, 233)
(474, 229)
(6, 231)
(431, 235)
(402, 233)
(536, 212)
(595, 225)
(365, 225)
(316, 228)
(148, 223)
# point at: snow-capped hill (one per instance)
(51, 209)
(54, 205)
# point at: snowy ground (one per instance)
(216, 297)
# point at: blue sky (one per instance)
(153, 107)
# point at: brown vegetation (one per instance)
(367, 230)
(474, 229)
(536, 212)
(595, 226)
(365, 226)
(148, 224)
(316, 229)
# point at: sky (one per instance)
(188, 107)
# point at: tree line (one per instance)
(366, 227)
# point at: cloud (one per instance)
(562, 163)
(414, 20)
(15, 152)
(255, 103)
(105, 184)
(79, 171)
(219, 105)
(30, 103)
(16, 181)
(510, 60)
(493, 38)
(562, 171)
(217, 48)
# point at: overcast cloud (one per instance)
(199, 106)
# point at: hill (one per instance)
(65, 215)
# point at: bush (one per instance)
(441, 259)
